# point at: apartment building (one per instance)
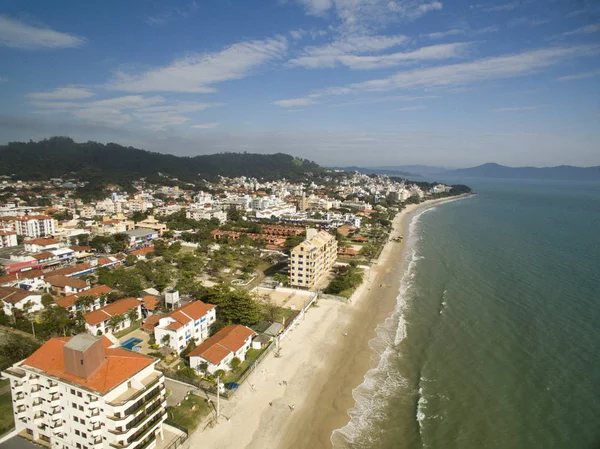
(312, 259)
(83, 393)
(180, 326)
(34, 226)
(98, 322)
(8, 239)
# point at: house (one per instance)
(83, 392)
(69, 302)
(142, 253)
(191, 321)
(8, 239)
(151, 303)
(97, 322)
(42, 244)
(66, 285)
(218, 351)
(138, 237)
(16, 298)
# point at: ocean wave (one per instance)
(382, 382)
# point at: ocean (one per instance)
(495, 339)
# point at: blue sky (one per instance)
(345, 82)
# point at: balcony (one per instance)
(54, 397)
(19, 396)
(134, 393)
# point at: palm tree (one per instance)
(115, 321)
(133, 315)
(166, 340)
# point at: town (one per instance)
(145, 309)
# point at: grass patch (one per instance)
(251, 356)
(133, 327)
(190, 413)
(6, 413)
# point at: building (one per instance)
(138, 237)
(180, 326)
(70, 302)
(65, 285)
(8, 239)
(16, 298)
(84, 393)
(218, 351)
(207, 214)
(97, 322)
(312, 259)
(34, 226)
(153, 224)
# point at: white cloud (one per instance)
(206, 126)
(578, 76)
(518, 108)
(330, 54)
(16, 34)
(364, 62)
(62, 93)
(386, 99)
(368, 14)
(504, 7)
(199, 72)
(412, 108)
(3, 79)
(587, 29)
(460, 74)
(295, 102)
(443, 34)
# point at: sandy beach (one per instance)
(320, 366)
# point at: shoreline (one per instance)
(320, 365)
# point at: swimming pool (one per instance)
(130, 343)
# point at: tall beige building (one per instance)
(312, 259)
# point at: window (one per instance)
(72, 391)
(81, 408)
(74, 405)
(82, 421)
(76, 419)
(77, 432)
(79, 392)
(83, 435)
(78, 446)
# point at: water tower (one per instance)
(172, 299)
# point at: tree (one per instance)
(166, 340)
(55, 322)
(2, 270)
(233, 214)
(235, 362)
(85, 302)
(14, 348)
(115, 321)
(133, 315)
(233, 306)
(47, 300)
(130, 260)
(219, 373)
(281, 279)
(202, 367)
(293, 240)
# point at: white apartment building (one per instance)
(312, 259)
(34, 226)
(84, 393)
(206, 214)
(8, 239)
(180, 326)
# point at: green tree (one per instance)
(14, 348)
(47, 300)
(133, 315)
(85, 302)
(130, 260)
(115, 321)
(2, 270)
(235, 362)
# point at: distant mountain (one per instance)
(112, 163)
(423, 170)
(561, 172)
(390, 171)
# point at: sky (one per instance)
(341, 82)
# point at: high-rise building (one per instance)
(312, 259)
(83, 393)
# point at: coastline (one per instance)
(321, 366)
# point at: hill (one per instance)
(113, 163)
(562, 172)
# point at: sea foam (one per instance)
(381, 382)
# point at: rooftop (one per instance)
(227, 340)
(116, 308)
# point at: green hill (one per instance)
(112, 163)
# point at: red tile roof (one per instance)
(24, 275)
(42, 242)
(119, 365)
(43, 255)
(69, 270)
(33, 217)
(143, 251)
(69, 301)
(14, 295)
(64, 281)
(119, 307)
(151, 302)
(151, 322)
(227, 340)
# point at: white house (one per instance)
(8, 239)
(97, 321)
(180, 326)
(16, 298)
(66, 285)
(84, 393)
(219, 350)
(39, 245)
(70, 302)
